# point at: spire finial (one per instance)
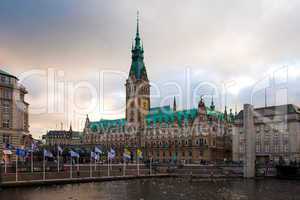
(137, 36)
(137, 23)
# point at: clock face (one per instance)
(145, 104)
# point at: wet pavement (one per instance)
(168, 188)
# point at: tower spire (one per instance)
(212, 105)
(71, 127)
(137, 68)
(174, 104)
(225, 114)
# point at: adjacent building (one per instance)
(63, 137)
(14, 126)
(277, 134)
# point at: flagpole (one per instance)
(44, 167)
(57, 159)
(91, 167)
(16, 168)
(138, 166)
(107, 165)
(5, 164)
(124, 166)
(71, 166)
(151, 166)
(31, 160)
(78, 164)
(95, 164)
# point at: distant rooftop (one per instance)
(274, 110)
(2, 72)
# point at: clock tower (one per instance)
(137, 85)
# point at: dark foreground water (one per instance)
(155, 189)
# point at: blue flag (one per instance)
(20, 152)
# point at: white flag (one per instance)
(48, 154)
(74, 154)
(97, 150)
(111, 154)
(60, 150)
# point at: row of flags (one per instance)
(95, 154)
(111, 154)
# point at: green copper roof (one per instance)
(106, 123)
(138, 69)
(159, 115)
(167, 115)
(157, 110)
(7, 74)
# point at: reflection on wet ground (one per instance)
(169, 188)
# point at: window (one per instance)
(258, 129)
(241, 149)
(6, 139)
(5, 79)
(267, 148)
(5, 123)
(257, 148)
(7, 94)
(6, 114)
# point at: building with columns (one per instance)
(162, 133)
(14, 126)
(276, 133)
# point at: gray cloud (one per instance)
(219, 41)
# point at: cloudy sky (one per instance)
(74, 55)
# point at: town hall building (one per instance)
(164, 134)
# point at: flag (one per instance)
(93, 155)
(139, 153)
(8, 146)
(111, 154)
(74, 154)
(97, 150)
(20, 152)
(60, 150)
(33, 146)
(126, 154)
(7, 152)
(97, 157)
(48, 154)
